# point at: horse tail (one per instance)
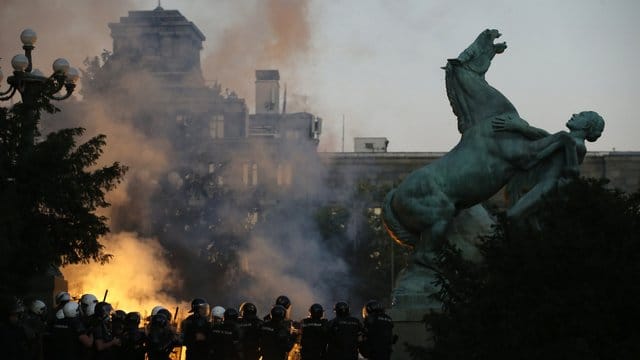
(390, 222)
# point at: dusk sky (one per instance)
(378, 62)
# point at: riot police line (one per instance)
(92, 330)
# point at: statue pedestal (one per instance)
(416, 283)
(408, 325)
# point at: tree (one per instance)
(50, 190)
(565, 287)
(353, 230)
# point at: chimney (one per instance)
(267, 92)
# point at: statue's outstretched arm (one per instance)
(517, 124)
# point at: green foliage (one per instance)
(94, 80)
(50, 190)
(565, 287)
(332, 221)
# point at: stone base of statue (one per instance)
(412, 297)
(410, 329)
(416, 283)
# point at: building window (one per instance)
(292, 134)
(250, 174)
(254, 174)
(216, 127)
(284, 174)
(368, 146)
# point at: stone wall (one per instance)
(345, 170)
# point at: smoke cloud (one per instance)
(69, 29)
(156, 263)
(136, 277)
(274, 34)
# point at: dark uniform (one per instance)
(225, 338)
(276, 339)
(378, 337)
(102, 331)
(161, 338)
(134, 340)
(196, 330)
(13, 340)
(313, 339)
(250, 326)
(35, 329)
(65, 340)
(344, 332)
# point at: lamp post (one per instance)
(32, 84)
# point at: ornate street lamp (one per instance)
(31, 84)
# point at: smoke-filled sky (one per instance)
(378, 62)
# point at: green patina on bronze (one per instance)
(497, 148)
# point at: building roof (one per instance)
(158, 18)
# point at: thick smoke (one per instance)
(153, 263)
(138, 276)
(69, 29)
(274, 34)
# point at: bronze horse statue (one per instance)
(496, 146)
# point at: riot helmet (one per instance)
(103, 310)
(132, 320)
(71, 310)
(60, 314)
(164, 312)
(11, 308)
(248, 310)
(217, 312)
(156, 309)
(87, 304)
(38, 307)
(159, 321)
(283, 301)
(118, 315)
(316, 311)
(278, 312)
(231, 315)
(199, 307)
(341, 309)
(372, 307)
(62, 298)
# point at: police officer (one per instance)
(313, 337)
(61, 299)
(250, 326)
(344, 334)
(275, 338)
(70, 339)
(105, 342)
(283, 301)
(134, 340)
(117, 323)
(225, 337)
(217, 315)
(378, 335)
(35, 325)
(196, 330)
(87, 304)
(162, 339)
(13, 340)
